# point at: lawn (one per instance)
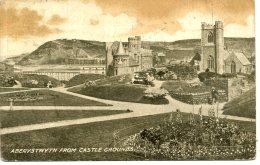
(12, 89)
(128, 93)
(46, 97)
(98, 134)
(82, 78)
(25, 117)
(243, 106)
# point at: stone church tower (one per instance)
(212, 47)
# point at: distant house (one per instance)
(6, 67)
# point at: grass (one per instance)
(243, 106)
(128, 93)
(25, 117)
(12, 89)
(49, 98)
(98, 134)
(82, 78)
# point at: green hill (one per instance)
(57, 51)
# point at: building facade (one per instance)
(214, 56)
(130, 57)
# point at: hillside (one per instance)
(55, 52)
(182, 49)
(243, 106)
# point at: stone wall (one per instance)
(198, 98)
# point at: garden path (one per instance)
(137, 108)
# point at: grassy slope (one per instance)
(116, 88)
(53, 99)
(244, 105)
(12, 89)
(25, 117)
(82, 78)
(98, 134)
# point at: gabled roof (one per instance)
(242, 58)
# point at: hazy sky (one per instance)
(26, 24)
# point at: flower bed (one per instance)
(207, 139)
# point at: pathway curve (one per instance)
(137, 108)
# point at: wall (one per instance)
(197, 98)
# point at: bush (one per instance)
(184, 71)
(207, 75)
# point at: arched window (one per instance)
(233, 67)
(211, 62)
(210, 37)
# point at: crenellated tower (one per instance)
(212, 47)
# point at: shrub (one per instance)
(207, 75)
(184, 71)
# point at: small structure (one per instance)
(161, 58)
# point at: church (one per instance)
(214, 56)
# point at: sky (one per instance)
(27, 24)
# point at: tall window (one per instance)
(211, 62)
(233, 67)
(210, 37)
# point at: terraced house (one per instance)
(129, 57)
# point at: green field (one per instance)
(12, 89)
(46, 98)
(128, 93)
(26, 117)
(243, 106)
(98, 134)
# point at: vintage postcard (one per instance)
(127, 80)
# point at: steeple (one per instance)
(120, 50)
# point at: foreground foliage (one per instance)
(205, 139)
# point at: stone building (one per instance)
(215, 57)
(130, 57)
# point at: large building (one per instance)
(214, 56)
(122, 58)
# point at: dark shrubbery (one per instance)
(207, 75)
(184, 71)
